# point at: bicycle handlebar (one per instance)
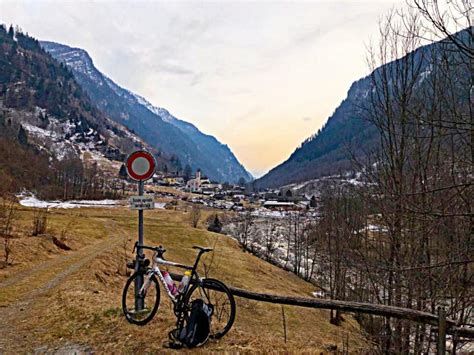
(158, 249)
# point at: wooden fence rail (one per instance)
(356, 307)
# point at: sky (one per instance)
(261, 76)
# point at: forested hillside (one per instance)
(155, 125)
(48, 124)
(401, 233)
(349, 135)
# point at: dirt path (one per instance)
(65, 266)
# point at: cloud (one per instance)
(310, 36)
(246, 72)
(196, 79)
(173, 68)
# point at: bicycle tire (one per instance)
(224, 325)
(129, 313)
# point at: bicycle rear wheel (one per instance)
(151, 300)
(217, 294)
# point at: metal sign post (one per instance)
(139, 302)
(140, 167)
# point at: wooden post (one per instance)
(284, 320)
(441, 348)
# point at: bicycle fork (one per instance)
(146, 284)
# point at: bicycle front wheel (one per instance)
(217, 294)
(144, 310)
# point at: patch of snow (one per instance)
(39, 131)
(30, 200)
(426, 73)
(263, 212)
(160, 205)
(319, 294)
(375, 228)
(164, 114)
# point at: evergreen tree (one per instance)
(216, 225)
(187, 172)
(178, 165)
(11, 32)
(123, 172)
(22, 136)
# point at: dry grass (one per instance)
(85, 308)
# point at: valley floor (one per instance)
(52, 300)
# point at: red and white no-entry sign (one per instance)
(141, 165)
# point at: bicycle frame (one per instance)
(155, 270)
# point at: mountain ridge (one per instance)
(325, 152)
(48, 124)
(347, 134)
(156, 125)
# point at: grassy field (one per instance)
(51, 299)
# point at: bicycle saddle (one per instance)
(202, 249)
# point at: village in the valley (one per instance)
(234, 197)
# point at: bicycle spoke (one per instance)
(150, 296)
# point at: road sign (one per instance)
(141, 165)
(142, 202)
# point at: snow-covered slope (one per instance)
(45, 109)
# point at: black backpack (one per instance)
(198, 326)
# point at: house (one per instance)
(278, 205)
(211, 185)
(174, 180)
(158, 179)
(205, 180)
(194, 185)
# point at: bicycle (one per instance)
(141, 305)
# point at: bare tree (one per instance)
(40, 221)
(269, 239)
(122, 268)
(195, 216)
(245, 223)
(7, 217)
(419, 181)
(441, 20)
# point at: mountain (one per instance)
(347, 133)
(155, 125)
(327, 151)
(47, 120)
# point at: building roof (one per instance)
(278, 204)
